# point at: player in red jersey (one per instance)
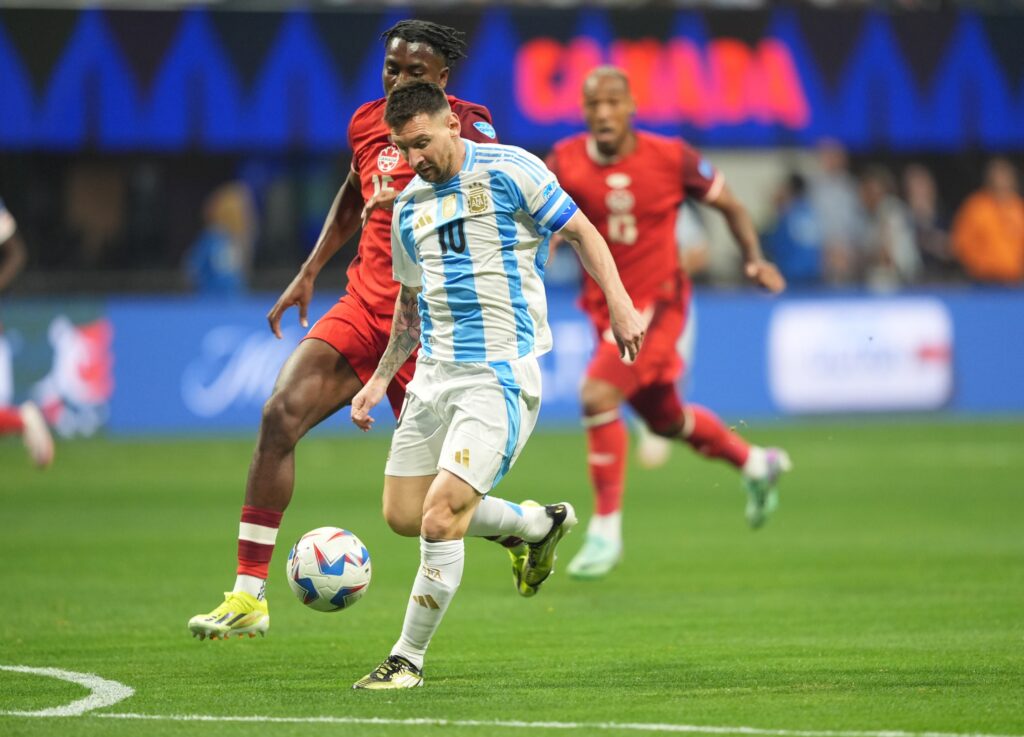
(631, 185)
(25, 420)
(342, 349)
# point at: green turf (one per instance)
(887, 593)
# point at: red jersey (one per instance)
(634, 202)
(380, 165)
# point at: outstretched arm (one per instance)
(626, 323)
(405, 336)
(342, 222)
(755, 267)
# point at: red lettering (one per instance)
(785, 95)
(689, 87)
(728, 83)
(647, 66)
(549, 78)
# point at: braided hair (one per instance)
(446, 42)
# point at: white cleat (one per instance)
(36, 435)
(763, 493)
(652, 451)
(596, 558)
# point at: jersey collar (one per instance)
(467, 164)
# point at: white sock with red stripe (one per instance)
(257, 533)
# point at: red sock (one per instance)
(257, 534)
(10, 421)
(606, 455)
(711, 438)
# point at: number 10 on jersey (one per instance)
(452, 236)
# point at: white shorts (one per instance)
(471, 419)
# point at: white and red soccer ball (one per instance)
(328, 569)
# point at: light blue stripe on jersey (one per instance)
(426, 324)
(409, 244)
(470, 159)
(405, 231)
(542, 256)
(468, 342)
(503, 370)
(507, 201)
(535, 172)
(556, 211)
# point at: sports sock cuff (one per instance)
(601, 418)
(441, 552)
(260, 516)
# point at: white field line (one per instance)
(503, 724)
(103, 692)
(106, 693)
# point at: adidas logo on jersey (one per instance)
(423, 222)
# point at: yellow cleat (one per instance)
(240, 614)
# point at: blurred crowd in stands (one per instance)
(886, 230)
(227, 225)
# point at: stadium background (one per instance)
(882, 600)
(120, 125)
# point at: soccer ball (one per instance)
(328, 569)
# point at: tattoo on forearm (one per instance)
(405, 333)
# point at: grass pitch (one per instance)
(886, 594)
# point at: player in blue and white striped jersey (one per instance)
(477, 244)
(469, 242)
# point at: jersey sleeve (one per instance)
(404, 261)
(7, 224)
(352, 124)
(701, 179)
(477, 124)
(543, 198)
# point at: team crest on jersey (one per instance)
(448, 205)
(618, 180)
(478, 201)
(620, 200)
(388, 158)
(486, 128)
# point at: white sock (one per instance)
(498, 518)
(436, 582)
(606, 526)
(251, 585)
(756, 466)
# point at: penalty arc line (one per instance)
(512, 724)
(102, 692)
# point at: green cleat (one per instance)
(596, 558)
(540, 559)
(519, 555)
(763, 493)
(240, 614)
(394, 672)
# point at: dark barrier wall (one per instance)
(229, 81)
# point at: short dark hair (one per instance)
(409, 100)
(445, 41)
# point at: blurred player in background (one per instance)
(632, 183)
(469, 242)
(25, 420)
(341, 350)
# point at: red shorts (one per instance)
(658, 362)
(361, 336)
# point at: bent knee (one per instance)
(282, 419)
(402, 521)
(667, 430)
(597, 397)
(439, 523)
